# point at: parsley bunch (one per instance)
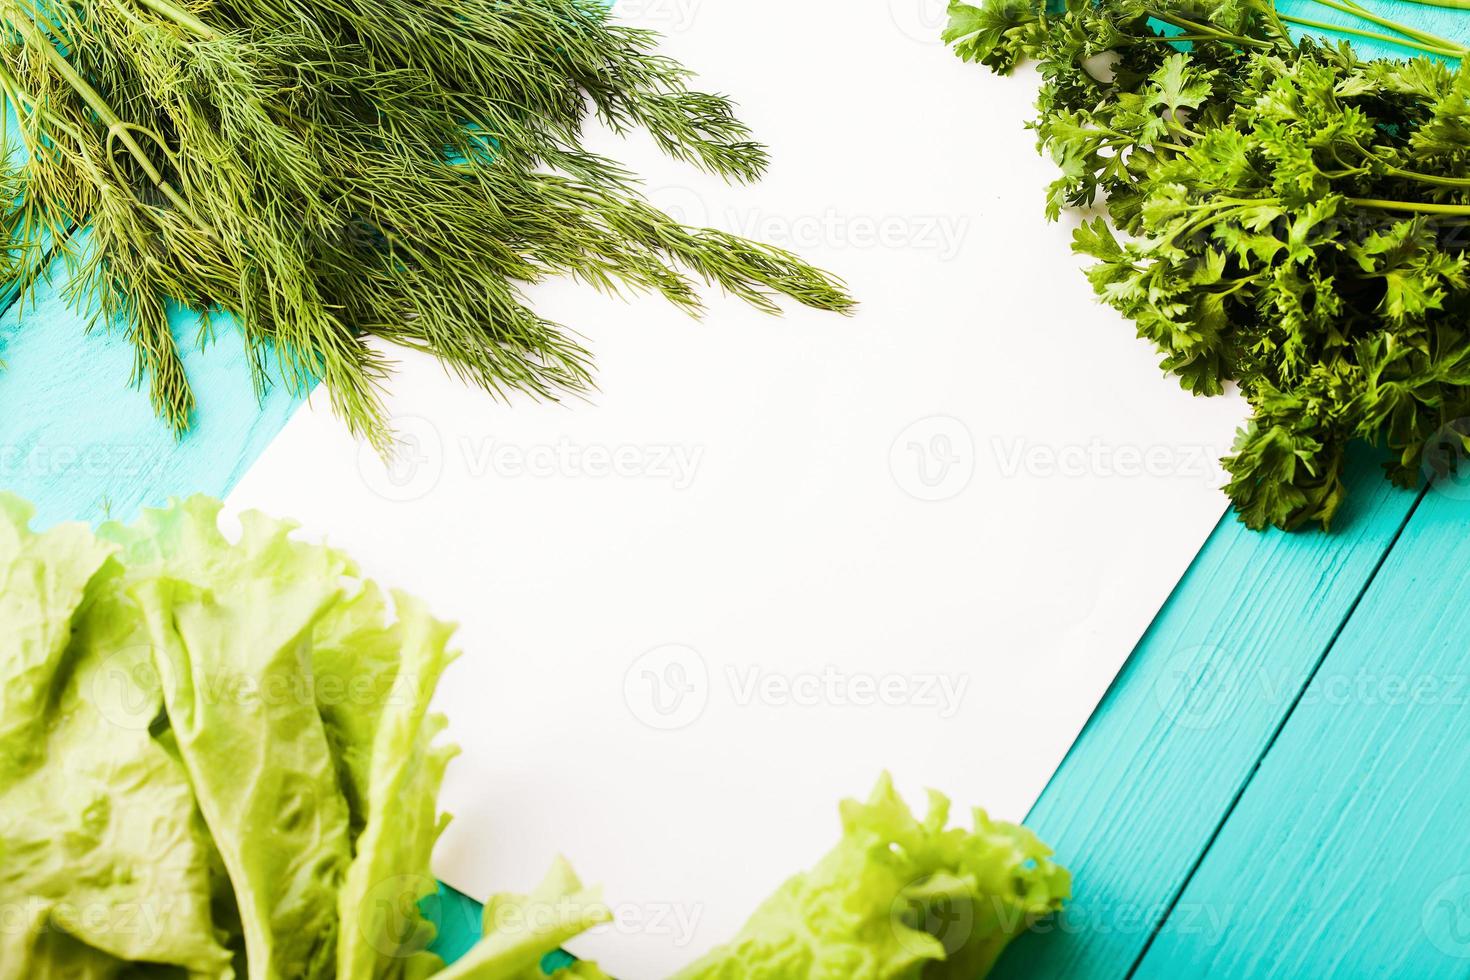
(1279, 213)
(329, 171)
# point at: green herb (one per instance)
(1281, 214)
(217, 757)
(327, 172)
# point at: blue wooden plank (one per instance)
(1145, 787)
(83, 455)
(1347, 854)
(1454, 25)
(1139, 800)
(82, 444)
(457, 919)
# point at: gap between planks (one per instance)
(1182, 728)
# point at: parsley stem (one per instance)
(1430, 178)
(1176, 38)
(1358, 10)
(1417, 206)
(1405, 42)
(1205, 30)
(1452, 4)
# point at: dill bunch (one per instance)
(328, 171)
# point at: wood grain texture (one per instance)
(1451, 24)
(1346, 856)
(82, 444)
(1343, 855)
(1156, 775)
(1178, 734)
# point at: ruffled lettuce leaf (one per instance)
(103, 855)
(400, 768)
(42, 580)
(217, 757)
(230, 625)
(898, 899)
(520, 930)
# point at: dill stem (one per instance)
(117, 129)
(181, 17)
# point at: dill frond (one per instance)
(328, 171)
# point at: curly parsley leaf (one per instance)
(1280, 215)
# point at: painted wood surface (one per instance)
(1255, 796)
(1346, 855)
(1145, 788)
(82, 445)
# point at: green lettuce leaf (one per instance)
(230, 627)
(898, 899)
(103, 855)
(217, 759)
(42, 580)
(520, 930)
(384, 933)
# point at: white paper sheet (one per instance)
(771, 558)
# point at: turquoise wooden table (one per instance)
(1277, 783)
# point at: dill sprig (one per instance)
(328, 171)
